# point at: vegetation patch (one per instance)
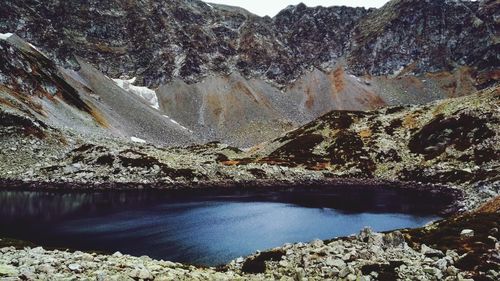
(139, 162)
(299, 151)
(28, 126)
(348, 150)
(451, 176)
(188, 174)
(340, 119)
(479, 250)
(258, 264)
(105, 160)
(390, 155)
(84, 148)
(461, 132)
(386, 271)
(395, 109)
(393, 126)
(221, 157)
(258, 173)
(482, 156)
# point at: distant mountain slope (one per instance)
(428, 36)
(87, 102)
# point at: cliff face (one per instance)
(427, 36)
(161, 40)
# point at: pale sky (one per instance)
(272, 7)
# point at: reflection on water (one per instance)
(204, 228)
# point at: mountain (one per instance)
(161, 40)
(85, 101)
(250, 78)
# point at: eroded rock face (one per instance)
(426, 36)
(161, 40)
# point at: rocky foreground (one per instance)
(459, 248)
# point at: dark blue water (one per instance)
(206, 230)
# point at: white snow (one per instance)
(137, 140)
(177, 123)
(143, 92)
(33, 46)
(38, 50)
(5, 36)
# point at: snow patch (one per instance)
(177, 123)
(34, 47)
(143, 92)
(5, 36)
(397, 72)
(137, 140)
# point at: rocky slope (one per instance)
(251, 78)
(86, 101)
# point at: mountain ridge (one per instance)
(277, 49)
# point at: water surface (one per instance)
(206, 229)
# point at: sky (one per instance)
(272, 7)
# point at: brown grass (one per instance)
(410, 122)
(338, 79)
(366, 133)
(98, 117)
(492, 206)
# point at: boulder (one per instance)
(467, 233)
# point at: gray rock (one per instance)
(300, 274)
(344, 272)
(46, 268)
(26, 274)
(283, 263)
(394, 239)
(75, 267)
(451, 270)
(351, 277)
(467, 233)
(317, 243)
(338, 263)
(442, 264)
(7, 270)
(144, 274)
(430, 252)
(117, 255)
